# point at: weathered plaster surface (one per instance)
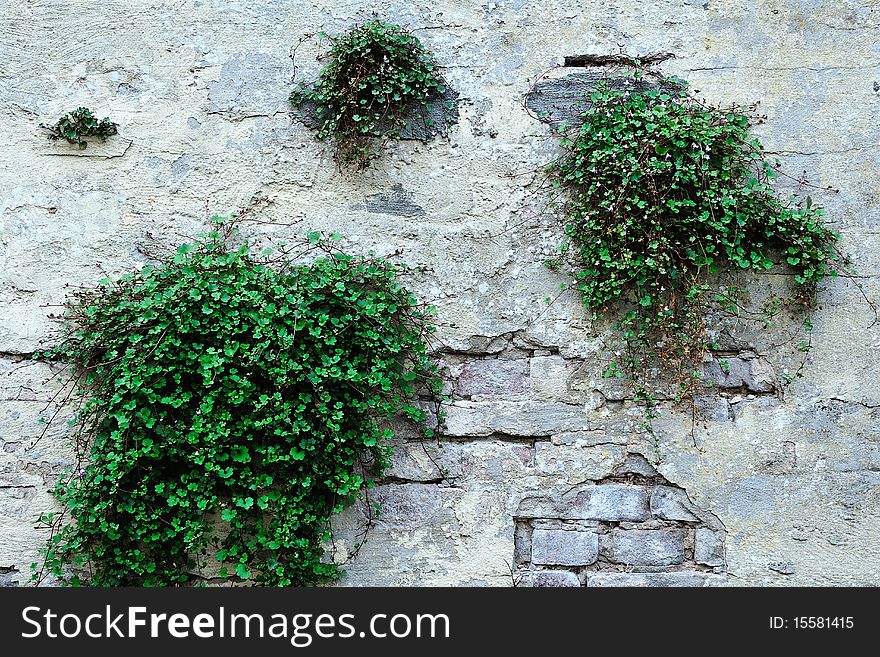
(199, 88)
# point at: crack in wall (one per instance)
(616, 60)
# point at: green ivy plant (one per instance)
(78, 124)
(233, 402)
(378, 77)
(663, 194)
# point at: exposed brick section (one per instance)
(631, 529)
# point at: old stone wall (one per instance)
(543, 475)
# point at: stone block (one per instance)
(548, 377)
(671, 503)
(709, 547)
(563, 99)
(576, 462)
(537, 506)
(647, 547)
(493, 376)
(516, 418)
(397, 202)
(560, 547)
(744, 371)
(636, 464)
(606, 502)
(550, 578)
(250, 83)
(11, 577)
(609, 502)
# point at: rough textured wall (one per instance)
(542, 476)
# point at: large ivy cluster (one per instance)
(231, 402)
(78, 124)
(661, 193)
(378, 77)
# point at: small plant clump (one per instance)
(233, 402)
(378, 78)
(78, 124)
(662, 193)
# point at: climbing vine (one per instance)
(378, 78)
(660, 196)
(75, 126)
(233, 401)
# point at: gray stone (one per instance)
(579, 462)
(11, 577)
(647, 547)
(745, 371)
(548, 377)
(588, 438)
(786, 461)
(643, 580)
(522, 544)
(605, 502)
(112, 147)
(635, 464)
(397, 202)
(753, 495)
(515, 418)
(414, 462)
(712, 408)
(609, 502)
(671, 503)
(550, 578)
(560, 100)
(560, 547)
(493, 376)
(709, 547)
(408, 505)
(537, 507)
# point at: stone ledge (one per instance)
(517, 418)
